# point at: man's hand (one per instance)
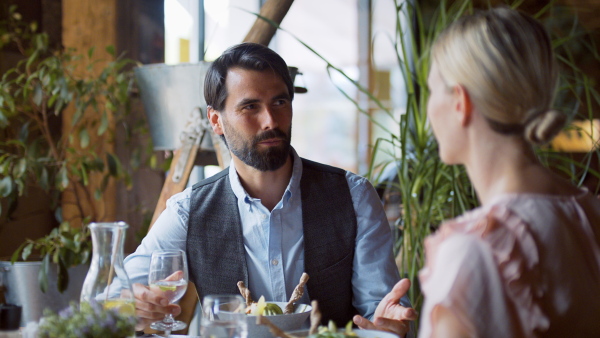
(151, 304)
(390, 315)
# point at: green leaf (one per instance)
(24, 132)
(68, 243)
(32, 59)
(43, 274)
(15, 254)
(3, 120)
(62, 179)
(26, 251)
(85, 256)
(43, 179)
(38, 95)
(84, 174)
(91, 52)
(63, 277)
(103, 123)
(110, 106)
(56, 256)
(111, 50)
(84, 138)
(6, 186)
(20, 168)
(112, 164)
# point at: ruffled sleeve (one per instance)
(484, 267)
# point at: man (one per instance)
(271, 215)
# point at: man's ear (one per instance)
(463, 105)
(214, 118)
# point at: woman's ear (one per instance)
(463, 105)
(214, 118)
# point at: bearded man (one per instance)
(271, 215)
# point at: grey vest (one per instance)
(215, 246)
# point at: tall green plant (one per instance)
(430, 191)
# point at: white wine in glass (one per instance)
(168, 277)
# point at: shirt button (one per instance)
(274, 262)
(263, 216)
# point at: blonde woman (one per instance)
(527, 262)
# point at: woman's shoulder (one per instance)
(515, 210)
(496, 247)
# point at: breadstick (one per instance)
(315, 317)
(296, 295)
(245, 292)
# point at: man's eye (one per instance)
(280, 102)
(250, 107)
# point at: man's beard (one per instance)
(270, 159)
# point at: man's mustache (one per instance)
(269, 134)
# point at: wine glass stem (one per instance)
(168, 319)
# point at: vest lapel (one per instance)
(215, 244)
(330, 225)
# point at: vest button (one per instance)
(274, 262)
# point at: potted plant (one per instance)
(34, 96)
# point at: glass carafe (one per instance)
(107, 282)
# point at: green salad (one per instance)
(331, 331)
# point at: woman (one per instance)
(527, 262)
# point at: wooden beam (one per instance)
(87, 24)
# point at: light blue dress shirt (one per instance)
(274, 242)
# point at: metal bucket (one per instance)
(22, 288)
(170, 94)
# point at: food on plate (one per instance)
(316, 331)
(331, 331)
(270, 309)
(258, 308)
(263, 308)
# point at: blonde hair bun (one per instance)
(542, 128)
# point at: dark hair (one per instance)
(246, 55)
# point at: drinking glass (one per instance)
(223, 316)
(168, 277)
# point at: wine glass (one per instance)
(168, 277)
(223, 316)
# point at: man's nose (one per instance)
(269, 119)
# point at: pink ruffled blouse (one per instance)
(524, 265)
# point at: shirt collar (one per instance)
(293, 188)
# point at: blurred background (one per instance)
(355, 36)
